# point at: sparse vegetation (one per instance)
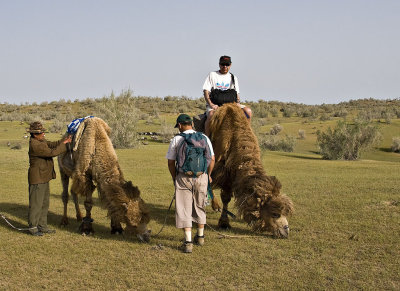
(278, 143)
(347, 141)
(396, 145)
(277, 128)
(345, 228)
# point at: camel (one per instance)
(239, 173)
(93, 160)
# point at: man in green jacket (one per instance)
(41, 171)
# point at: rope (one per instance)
(10, 224)
(221, 235)
(165, 219)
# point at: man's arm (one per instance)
(210, 167)
(238, 98)
(172, 169)
(208, 100)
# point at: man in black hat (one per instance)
(221, 87)
(190, 186)
(41, 171)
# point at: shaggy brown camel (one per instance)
(93, 160)
(239, 173)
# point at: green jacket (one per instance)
(41, 165)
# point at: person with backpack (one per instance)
(190, 162)
(221, 87)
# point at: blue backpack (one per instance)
(193, 154)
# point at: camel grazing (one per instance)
(93, 160)
(239, 173)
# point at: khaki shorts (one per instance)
(190, 202)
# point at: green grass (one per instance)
(345, 232)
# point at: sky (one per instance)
(310, 52)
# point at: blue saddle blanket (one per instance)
(74, 125)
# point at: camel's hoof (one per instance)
(223, 224)
(117, 231)
(86, 226)
(64, 221)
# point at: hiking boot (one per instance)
(199, 240)
(186, 247)
(38, 233)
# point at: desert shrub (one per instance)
(387, 116)
(274, 111)
(347, 141)
(122, 116)
(324, 117)
(365, 116)
(259, 111)
(396, 144)
(328, 108)
(167, 132)
(288, 112)
(277, 128)
(340, 113)
(302, 134)
(57, 126)
(275, 143)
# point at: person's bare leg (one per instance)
(207, 123)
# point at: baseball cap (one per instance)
(225, 60)
(183, 118)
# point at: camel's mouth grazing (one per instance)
(141, 232)
(277, 226)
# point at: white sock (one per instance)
(188, 235)
(200, 231)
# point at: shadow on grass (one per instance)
(296, 156)
(158, 213)
(386, 150)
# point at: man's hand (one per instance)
(68, 139)
(214, 107)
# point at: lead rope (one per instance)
(10, 224)
(166, 215)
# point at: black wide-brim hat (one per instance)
(36, 127)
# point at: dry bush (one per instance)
(302, 134)
(347, 141)
(122, 116)
(57, 126)
(275, 143)
(396, 144)
(277, 128)
(167, 132)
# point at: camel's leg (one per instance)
(77, 209)
(226, 196)
(116, 227)
(86, 225)
(64, 196)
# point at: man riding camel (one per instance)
(221, 87)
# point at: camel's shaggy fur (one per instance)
(239, 173)
(95, 161)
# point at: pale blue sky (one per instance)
(309, 52)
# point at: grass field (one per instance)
(345, 232)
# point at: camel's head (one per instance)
(136, 214)
(268, 210)
(274, 215)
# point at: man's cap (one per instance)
(36, 127)
(225, 60)
(183, 118)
